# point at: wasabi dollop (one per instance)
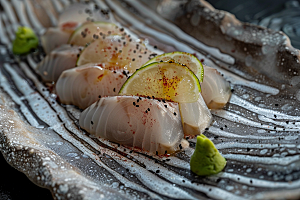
(25, 40)
(206, 159)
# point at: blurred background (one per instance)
(280, 15)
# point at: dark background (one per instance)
(15, 185)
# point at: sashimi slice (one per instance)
(57, 36)
(59, 60)
(82, 12)
(149, 124)
(118, 51)
(82, 86)
(216, 91)
(195, 117)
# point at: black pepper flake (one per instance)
(134, 51)
(137, 100)
(180, 146)
(133, 59)
(251, 181)
(124, 72)
(248, 149)
(166, 106)
(148, 97)
(206, 129)
(121, 29)
(164, 101)
(221, 128)
(130, 40)
(155, 47)
(157, 171)
(232, 90)
(148, 109)
(114, 89)
(175, 113)
(137, 106)
(275, 116)
(99, 96)
(276, 104)
(115, 72)
(140, 56)
(92, 122)
(133, 103)
(183, 181)
(152, 55)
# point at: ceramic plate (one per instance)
(257, 132)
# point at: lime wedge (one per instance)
(163, 80)
(90, 31)
(184, 58)
(116, 52)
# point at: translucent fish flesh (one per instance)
(195, 117)
(148, 124)
(82, 86)
(216, 91)
(57, 61)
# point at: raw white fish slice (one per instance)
(195, 117)
(55, 37)
(82, 12)
(137, 122)
(59, 60)
(82, 86)
(215, 90)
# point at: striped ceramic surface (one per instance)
(257, 132)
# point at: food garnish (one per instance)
(206, 159)
(25, 40)
(164, 80)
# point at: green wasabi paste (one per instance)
(206, 159)
(25, 40)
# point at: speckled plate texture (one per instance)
(257, 132)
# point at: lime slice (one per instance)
(115, 52)
(163, 80)
(184, 58)
(90, 31)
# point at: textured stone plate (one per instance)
(257, 132)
